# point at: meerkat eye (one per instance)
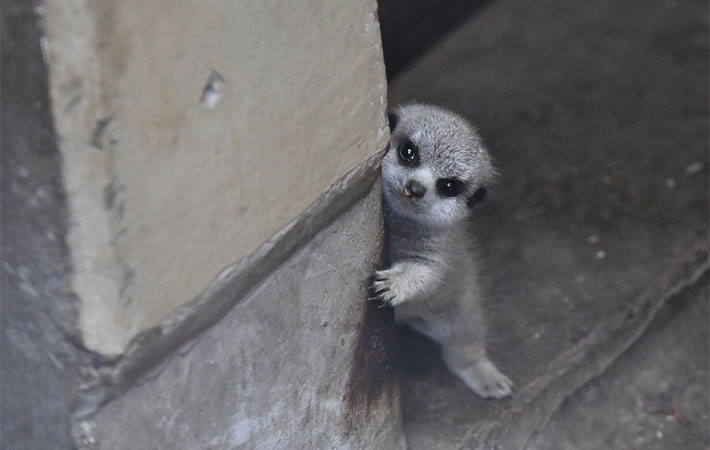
(408, 154)
(449, 187)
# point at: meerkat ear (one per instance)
(477, 197)
(393, 119)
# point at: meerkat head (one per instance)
(436, 168)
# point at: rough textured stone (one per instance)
(39, 360)
(303, 362)
(654, 398)
(596, 114)
(295, 356)
(191, 134)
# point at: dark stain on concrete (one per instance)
(373, 373)
(97, 136)
(127, 281)
(109, 195)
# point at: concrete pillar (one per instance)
(191, 132)
(220, 162)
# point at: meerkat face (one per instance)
(436, 169)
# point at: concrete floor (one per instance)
(597, 116)
(654, 397)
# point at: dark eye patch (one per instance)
(477, 197)
(393, 120)
(409, 154)
(449, 187)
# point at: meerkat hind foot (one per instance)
(485, 379)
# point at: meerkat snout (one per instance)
(414, 190)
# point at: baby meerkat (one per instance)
(434, 173)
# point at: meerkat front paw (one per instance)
(386, 286)
(484, 378)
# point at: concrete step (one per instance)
(597, 116)
(654, 397)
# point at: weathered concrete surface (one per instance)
(302, 362)
(654, 398)
(597, 116)
(187, 133)
(39, 364)
(302, 350)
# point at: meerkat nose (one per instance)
(414, 190)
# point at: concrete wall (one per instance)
(299, 363)
(192, 131)
(39, 362)
(195, 274)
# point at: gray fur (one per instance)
(433, 279)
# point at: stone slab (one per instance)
(302, 362)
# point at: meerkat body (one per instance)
(434, 173)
